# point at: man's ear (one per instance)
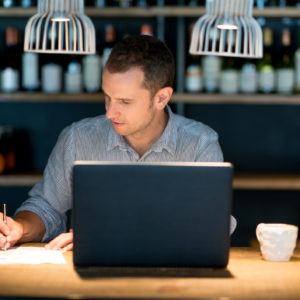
(163, 96)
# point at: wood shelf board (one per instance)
(251, 181)
(167, 11)
(43, 97)
(188, 98)
(19, 180)
(264, 181)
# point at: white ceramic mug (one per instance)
(277, 241)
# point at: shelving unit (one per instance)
(241, 181)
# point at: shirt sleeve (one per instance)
(51, 197)
(212, 151)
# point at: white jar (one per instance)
(193, 79)
(30, 73)
(248, 79)
(51, 78)
(211, 66)
(266, 80)
(73, 78)
(285, 79)
(91, 73)
(229, 81)
(10, 80)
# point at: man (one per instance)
(138, 126)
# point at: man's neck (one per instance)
(142, 143)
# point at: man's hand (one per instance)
(10, 233)
(64, 241)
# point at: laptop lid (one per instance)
(151, 214)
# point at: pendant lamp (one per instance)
(227, 29)
(60, 26)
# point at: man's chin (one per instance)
(119, 130)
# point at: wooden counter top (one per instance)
(246, 277)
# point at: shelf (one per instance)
(242, 99)
(242, 181)
(167, 11)
(266, 181)
(19, 180)
(43, 97)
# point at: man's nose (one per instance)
(111, 110)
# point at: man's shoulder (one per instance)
(192, 128)
(196, 141)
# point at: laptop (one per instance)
(151, 214)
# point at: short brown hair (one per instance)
(148, 53)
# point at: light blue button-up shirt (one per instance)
(95, 139)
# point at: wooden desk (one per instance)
(247, 277)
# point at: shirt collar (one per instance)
(166, 141)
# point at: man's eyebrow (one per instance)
(120, 99)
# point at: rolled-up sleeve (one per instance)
(51, 197)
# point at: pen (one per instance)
(4, 221)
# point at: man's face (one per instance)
(128, 105)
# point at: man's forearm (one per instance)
(33, 228)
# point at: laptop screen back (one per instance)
(162, 214)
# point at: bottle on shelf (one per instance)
(146, 29)
(91, 68)
(125, 3)
(141, 3)
(100, 3)
(73, 77)
(28, 3)
(10, 76)
(192, 3)
(7, 150)
(9, 3)
(211, 66)
(193, 73)
(283, 3)
(51, 78)
(266, 72)
(30, 71)
(261, 4)
(193, 78)
(285, 69)
(110, 40)
(229, 81)
(248, 78)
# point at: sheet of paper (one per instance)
(31, 255)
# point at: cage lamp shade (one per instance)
(227, 29)
(60, 26)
